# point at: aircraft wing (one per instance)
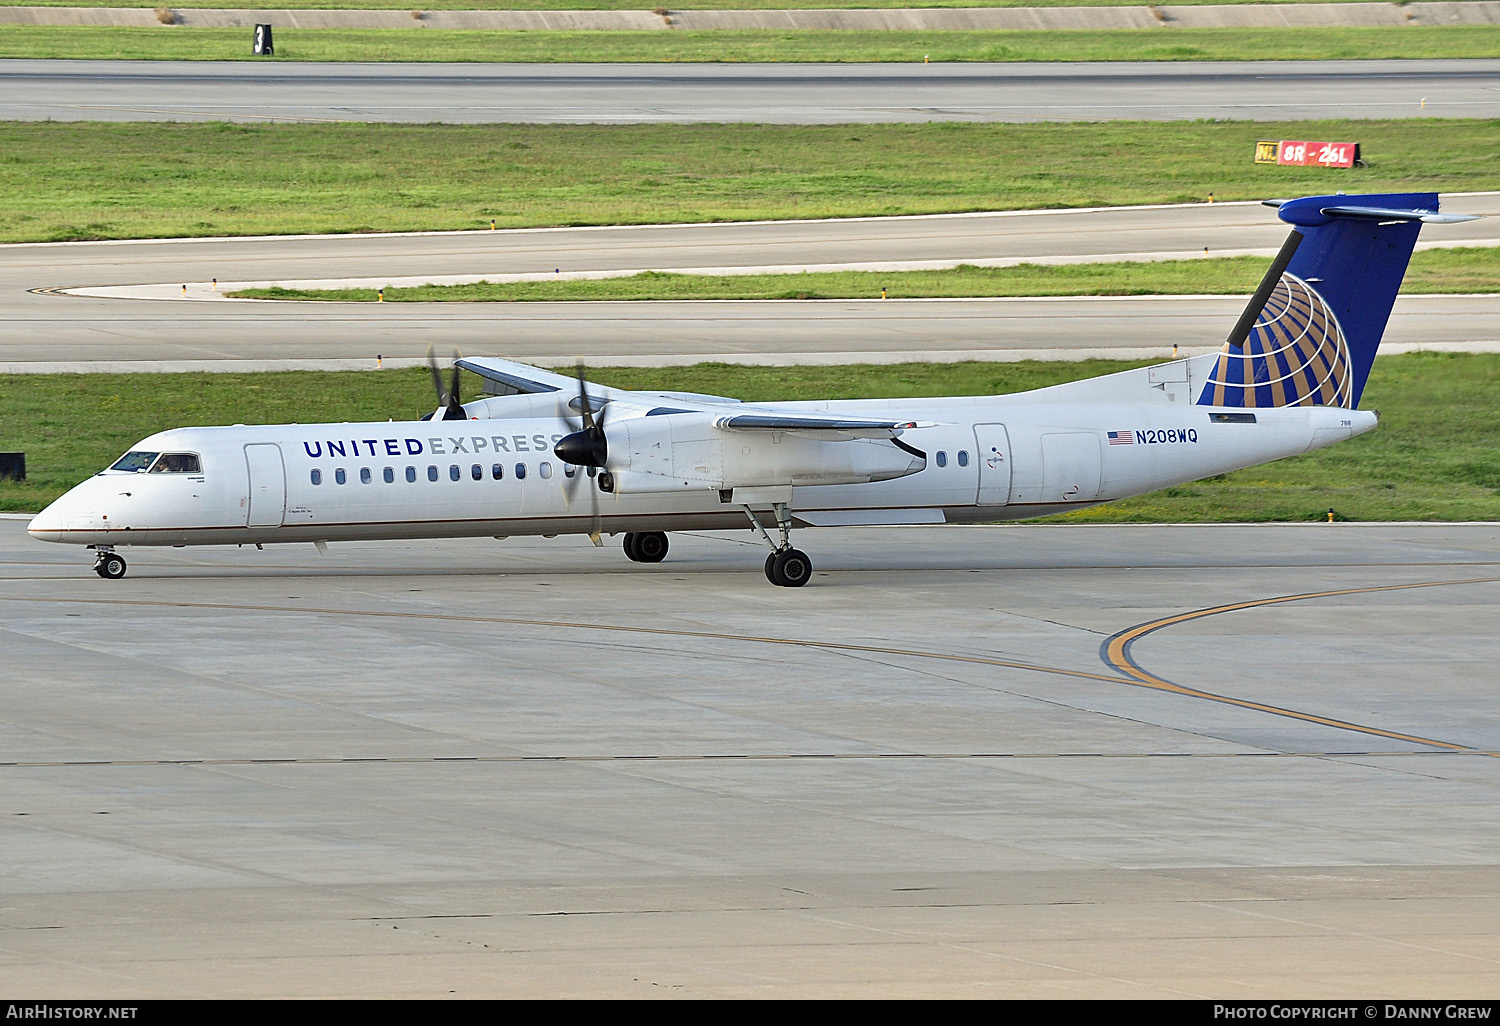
(510, 378)
(507, 377)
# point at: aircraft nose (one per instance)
(48, 524)
(52, 523)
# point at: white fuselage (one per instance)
(988, 458)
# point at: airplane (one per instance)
(1287, 380)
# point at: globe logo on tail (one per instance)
(1295, 355)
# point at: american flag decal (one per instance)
(1122, 438)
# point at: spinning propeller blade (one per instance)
(588, 449)
(450, 406)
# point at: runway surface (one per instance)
(765, 93)
(1006, 761)
(38, 325)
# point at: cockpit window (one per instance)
(134, 461)
(177, 463)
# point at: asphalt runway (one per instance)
(129, 304)
(764, 93)
(1020, 761)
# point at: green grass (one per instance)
(92, 180)
(1431, 272)
(1436, 455)
(752, 45)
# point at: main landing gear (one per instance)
(108, 565)
(646, 547)
(786, 567)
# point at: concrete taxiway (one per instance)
(91, 303)
(1024, 761)
(759, 93)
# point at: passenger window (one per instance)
(476, 472)
(431, 473)
(520, 471)
(453, 472)
(317, 477)
(411, 474)
(364, 475)
(942, 458)
(569, 470)
(963, 457)
(497, 472)
(134, 461)
(389, 475)
(545, 470)
(338, 475)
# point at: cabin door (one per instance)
(267, 505)
(1071, 466)
(992, 450)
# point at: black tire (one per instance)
(651, 547)
(771, 570)
(633, 547)
(792, 569)
(111, 567)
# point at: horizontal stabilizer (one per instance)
(1311, 211)
(1390, 214)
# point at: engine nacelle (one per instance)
(686, 452)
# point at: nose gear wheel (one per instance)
(109, 566)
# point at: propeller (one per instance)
(450, 405)
(588, 449)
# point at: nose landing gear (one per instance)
(109, 565)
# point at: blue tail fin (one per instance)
(1309, 334)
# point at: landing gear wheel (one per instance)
(650, 547)
(789, 568)
(110, 566)
(646, 546)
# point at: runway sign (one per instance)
(1300, 153)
